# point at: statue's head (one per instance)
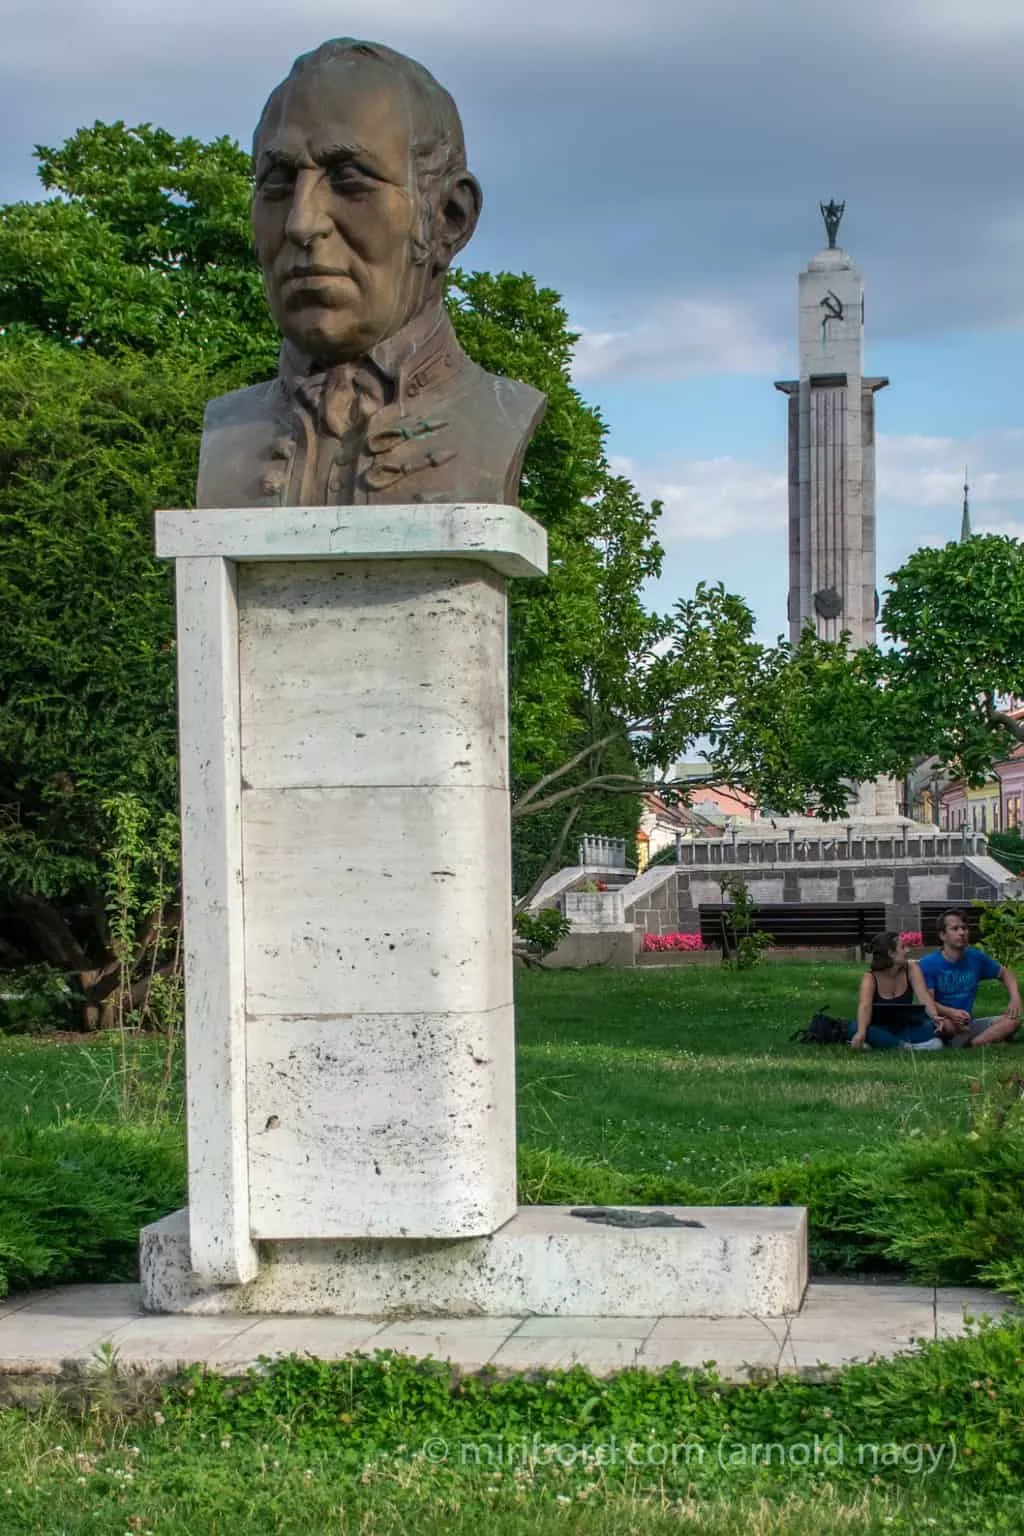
(362, 198)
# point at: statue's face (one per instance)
(336, 209)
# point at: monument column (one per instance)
(832, 574)
(832, 453)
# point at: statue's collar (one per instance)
(414, 359)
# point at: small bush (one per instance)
(1008, 848)
(750, 950)
(75, 1195)
(743, 946)
(954, 1213)
(1001, 926)
(542, 931)
(33, 999)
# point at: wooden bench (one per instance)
(802, 925)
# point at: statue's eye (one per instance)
(348, 179)
(277, 181)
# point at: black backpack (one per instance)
(824, 1030)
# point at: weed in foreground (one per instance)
(387, 1444)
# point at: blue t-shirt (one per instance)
(956, 985)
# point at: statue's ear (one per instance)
(457, 217)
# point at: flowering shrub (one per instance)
(660, 941)
(542, 931)
(913, 937)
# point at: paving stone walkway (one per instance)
(52, 1333)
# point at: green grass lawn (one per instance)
(678, 1085)
(53, 1078)
(673, 1084)
(387, 1446)
(691, 1070)
(685, 1068)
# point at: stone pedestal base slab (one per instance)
(740, 1261)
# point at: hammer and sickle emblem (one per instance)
(833, 307)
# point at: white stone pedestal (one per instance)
(349, 1025)
(345, 838)
(734, 1261)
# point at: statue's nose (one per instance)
(308, 218)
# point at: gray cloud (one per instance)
(920, 480)
(685, 338)
(725, 518)
(640, 158)
(710, 500)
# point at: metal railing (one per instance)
(602, 852)
(918, 848)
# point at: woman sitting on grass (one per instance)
(894, 1008)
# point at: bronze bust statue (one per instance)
(362, 201)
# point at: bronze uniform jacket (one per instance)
(449, 431)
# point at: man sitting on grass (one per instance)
(953, 974)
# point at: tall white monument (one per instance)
(832, 575)
(832, 452)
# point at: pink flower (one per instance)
(686, 942)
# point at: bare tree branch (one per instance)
(573, 762)
(612, 784)
(1014, 728)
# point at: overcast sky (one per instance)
(660, 163)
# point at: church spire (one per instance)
(965, 521)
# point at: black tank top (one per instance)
(880, 1008)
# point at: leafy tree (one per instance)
(143, 253)
(806, 720)
(792, 724)
(573, 635)
(127, 299)
(144, 246)
(87, 448)
(957, 616)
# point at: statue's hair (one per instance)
(439, 145)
